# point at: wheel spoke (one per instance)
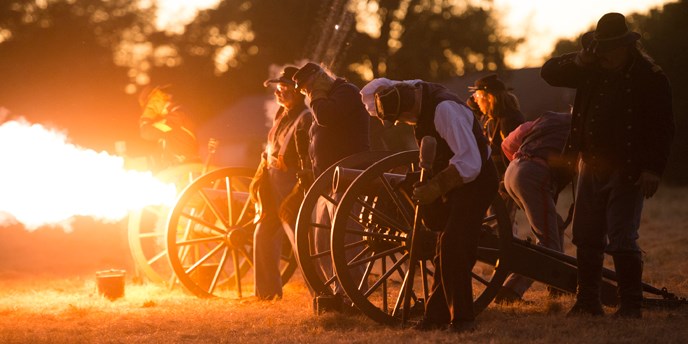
(200, 240)
(205, 257)
(384, 277)
(228, 194)
(218, 272)
(480, 279)
(320, 254)
(155, 258)
(382, 217)
(329, 199)
(320, 225)
(205, 223)
(150, 235)
(213, 208)
(384, 236)
(399, 204)
(237, 272)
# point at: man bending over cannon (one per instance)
(340, 128)
(464, 184)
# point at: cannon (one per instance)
(355, 239)
(372, 248)
(209, 231)
(146, 227)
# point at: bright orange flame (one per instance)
(44, 180)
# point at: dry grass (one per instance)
(68, 310)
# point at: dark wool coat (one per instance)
(634, 132)
(340, 127)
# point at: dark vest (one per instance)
(433, 94)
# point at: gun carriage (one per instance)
(355, 239)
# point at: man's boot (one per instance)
(629, 274)
(589, 281)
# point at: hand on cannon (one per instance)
(439, 185)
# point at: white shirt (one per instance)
(454, 123)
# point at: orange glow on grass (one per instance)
(45, 180)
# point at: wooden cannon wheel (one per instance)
(371, 235)
(147, 227)
(210, 235)
(312, 234)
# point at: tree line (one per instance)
(79, 64)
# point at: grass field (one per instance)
(62, 306)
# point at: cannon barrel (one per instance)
(343, 177)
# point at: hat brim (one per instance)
(609, 44)
(277, 81)
(486, 89)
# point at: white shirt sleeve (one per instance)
(454, 123)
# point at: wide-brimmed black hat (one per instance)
(490, 84)
(285, 76)
(611, 32)
(304, 73)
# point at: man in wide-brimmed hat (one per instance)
(622, 129)
(281, 174)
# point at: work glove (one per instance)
(439, 185)
(319, 87)
(586, 56)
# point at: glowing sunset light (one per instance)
(543, 22)
(47, 181)
(173, 15)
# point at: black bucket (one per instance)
(110, 283)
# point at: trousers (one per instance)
(268, 238)
(451, 295)
(529, 183)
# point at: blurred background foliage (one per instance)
(79, 64)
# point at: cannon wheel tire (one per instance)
(146, 228)
(371, 237)
(210, 235)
